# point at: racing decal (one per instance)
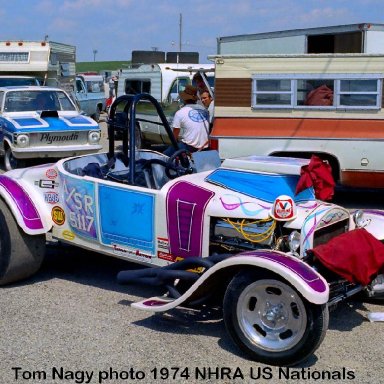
(283, 208)
(58, 215)
(186, 204)
(68, 235)
(162, 243)
(51, 173)
(165, 256)
(29, 122)
(79, 203)
(136, 253)
(79, 121)
(46, 184)
(51, 197)
(127, 217)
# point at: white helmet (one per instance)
(283, 208)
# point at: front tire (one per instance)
(269, 319)
(11, 162)
(21, 254)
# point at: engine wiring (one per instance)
(240, 227)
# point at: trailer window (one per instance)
(336, 91)
(359, 92)
(133, 87)
(274, 92)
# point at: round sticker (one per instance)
(58, 215)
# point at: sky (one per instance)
(108, 30)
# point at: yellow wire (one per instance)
(253, 238)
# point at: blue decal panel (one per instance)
(266, 187)
(79, 206)
(126, 217)
(28, 122)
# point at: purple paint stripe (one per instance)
(301, 269)
(154, 303)
(24, 204)
(374, 211)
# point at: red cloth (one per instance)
(320, 96)
(355, 255)
(318, 174)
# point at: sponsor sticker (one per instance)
(51, 197)
(46, 184)
(58, 215)
(51, 173)
(117, 250)
(283, 208)
(165, 256)
(162, 243)
(68, 235)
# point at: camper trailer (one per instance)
(298, 105)
(47, 63)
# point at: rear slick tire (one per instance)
(270, 321)
(21, 254)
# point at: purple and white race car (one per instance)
(236, 231)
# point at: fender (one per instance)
(373, 222)
(305, 279)
(28, 216)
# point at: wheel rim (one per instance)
(271, 315)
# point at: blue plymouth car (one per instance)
(42, 122)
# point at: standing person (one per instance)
(208, 103)
(190, 123)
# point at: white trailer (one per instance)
(351, 38)
(52, 64)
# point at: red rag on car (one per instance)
(355, 255)
(318, 174)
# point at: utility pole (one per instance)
(180, 32)
(94, 54)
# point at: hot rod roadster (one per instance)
(241, 231)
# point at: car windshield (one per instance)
(28, 100)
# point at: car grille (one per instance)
(47, 139)
(326, 233)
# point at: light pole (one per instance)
(94, 54)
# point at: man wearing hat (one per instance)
(190, 123)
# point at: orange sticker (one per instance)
(58, 215)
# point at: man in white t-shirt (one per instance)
(190, 123)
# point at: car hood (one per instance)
(27, 123)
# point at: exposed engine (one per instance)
(236, 235)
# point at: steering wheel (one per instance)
(179, 164)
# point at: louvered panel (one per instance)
(233, 92)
